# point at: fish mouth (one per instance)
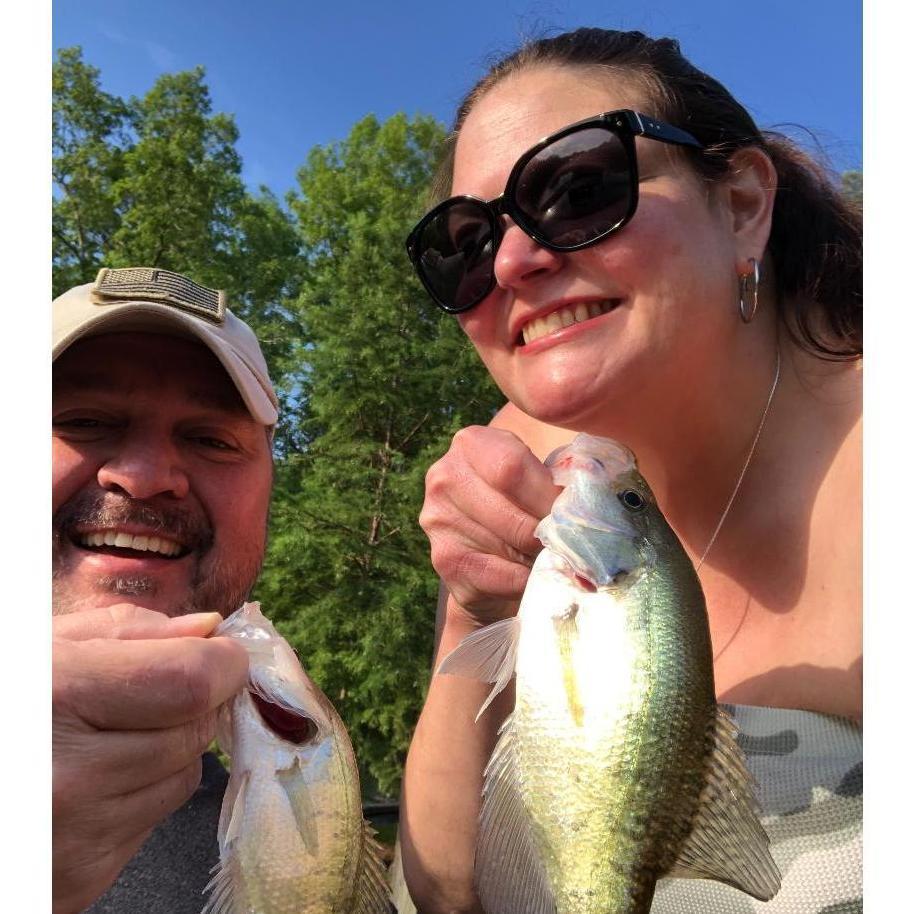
(589, 579)
(284, 723)
(595, 552)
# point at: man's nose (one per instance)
(145, 466)
(521, 260)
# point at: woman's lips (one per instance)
(571, 314)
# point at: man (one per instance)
(163, 414)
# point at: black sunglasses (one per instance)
(570, 191)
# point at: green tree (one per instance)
(89, 135)
(374, 378)
(181, 186)
(390, 380)
(156, 181)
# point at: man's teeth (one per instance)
(565, 317)
(128, 541)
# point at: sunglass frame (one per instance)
(624, 123)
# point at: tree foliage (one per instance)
(156, 182)
(373, 378)
(89, 136)
(389, 383)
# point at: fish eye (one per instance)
(631, 500)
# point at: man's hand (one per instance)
(484, 499)
(134, 701)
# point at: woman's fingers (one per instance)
(483, 502)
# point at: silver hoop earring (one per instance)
(749, 292)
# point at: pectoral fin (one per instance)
(224, 727)
(372, 894)
(727, 842)
(509, 876)
(488, 655)
(233, 809)
(293, 782)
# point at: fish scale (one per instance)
(616, 766)
(292, 838)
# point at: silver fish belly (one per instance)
(616, 767)
(292, 839)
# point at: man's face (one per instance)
(161, 478)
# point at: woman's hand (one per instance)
(484, 499)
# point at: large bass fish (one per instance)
(292, 839)
(616, 767)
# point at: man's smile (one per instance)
(112, 541)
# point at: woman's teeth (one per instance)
(127, 541)
(565, 317)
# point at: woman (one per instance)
(669, 277)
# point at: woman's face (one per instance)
(663, 288)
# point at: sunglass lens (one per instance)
(576, 188)
(456, 254)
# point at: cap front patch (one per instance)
(162, 286)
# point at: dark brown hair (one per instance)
(816, 238)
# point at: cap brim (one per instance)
(151, 317)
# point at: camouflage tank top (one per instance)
(808, 768)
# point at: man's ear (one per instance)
(748, 193)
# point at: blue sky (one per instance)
(297, 74)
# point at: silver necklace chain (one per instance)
(746, 463)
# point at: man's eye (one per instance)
(215, 443)
(78, 422)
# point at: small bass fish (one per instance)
(292, 839)
(616, 766)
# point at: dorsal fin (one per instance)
(372, 893)
(727, 842)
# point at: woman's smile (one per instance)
(548, 322)
(563, 325)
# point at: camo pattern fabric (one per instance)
(808, 768)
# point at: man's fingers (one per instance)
(149, 805)
(137, 685)
(123, 823)
(126, 621)
(122, 761)
(79, 877)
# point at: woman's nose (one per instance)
(521, 260)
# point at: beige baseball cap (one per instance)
(159, 301)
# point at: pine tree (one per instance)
(390, 379)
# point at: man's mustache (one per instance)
(108, 509)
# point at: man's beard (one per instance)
(222, 587)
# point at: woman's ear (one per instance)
(748, 193)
